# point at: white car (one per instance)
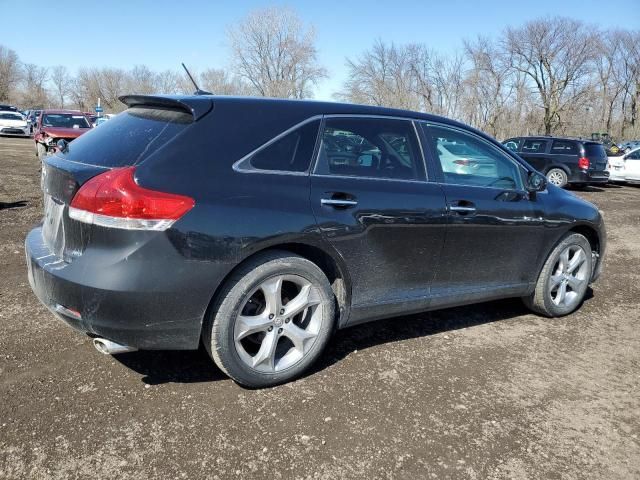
(14, 124)
(625, 168)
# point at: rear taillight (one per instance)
(583, 163)
(114, 199)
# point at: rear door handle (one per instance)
(338, 203)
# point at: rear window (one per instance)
(128, 138)
(594, 150)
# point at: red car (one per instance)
(54, 125)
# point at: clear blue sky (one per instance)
(162, 33)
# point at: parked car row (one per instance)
(564, 161)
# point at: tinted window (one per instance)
(594, 150)
(291, 153)
(635, 155)
(564, 147)
(128, 138)
(469, 160)
(534, 146)
(370, 147)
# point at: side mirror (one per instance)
(536, 182)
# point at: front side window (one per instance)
(290, 153)
(534, 146)
(564, 147)
(468, 160)
(370, 147)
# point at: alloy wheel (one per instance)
(278, 323)
(556, 178)
(570, 276)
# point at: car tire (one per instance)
(41, 151)
(557, 177)
(564, 278)
(250, 334)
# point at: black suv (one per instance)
(563, 160)
(259, 226)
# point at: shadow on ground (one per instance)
(158, 367)
(18, 204)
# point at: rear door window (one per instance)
(128, 138)
(534, 146)
(564, 147)
(371, 148)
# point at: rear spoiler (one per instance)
(198, 106)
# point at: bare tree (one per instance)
(10, 74)
(221, 82)
(383, 75)
(61, 81)
(34, 93)
(142, 80)
(556, 54)
(275, 53)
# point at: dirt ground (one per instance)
(486, 391)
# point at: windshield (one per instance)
(10, 116)
(65, 120)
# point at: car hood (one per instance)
(64, 132)
(12, 123)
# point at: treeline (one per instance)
(550, 75)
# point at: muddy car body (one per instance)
(238, 223)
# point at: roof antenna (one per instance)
(198, 91)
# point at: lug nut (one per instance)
(281, 311)
(280, 330)
(287, 320)
(269, 329)
(271, 315)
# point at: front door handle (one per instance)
(338, 203)
(462, 208)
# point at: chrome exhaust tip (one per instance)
(107, 347)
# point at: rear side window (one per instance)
(289, 153)
(534, 146)
(370, 147)
(594, 150)
(129, 137)
(564, 147)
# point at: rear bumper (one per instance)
(590, 177)
(121, 303)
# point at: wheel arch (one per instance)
(330, 264)
(591, 234)
(561, 166)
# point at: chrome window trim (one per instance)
(410, 120)
(518, 165)
(240, 168)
